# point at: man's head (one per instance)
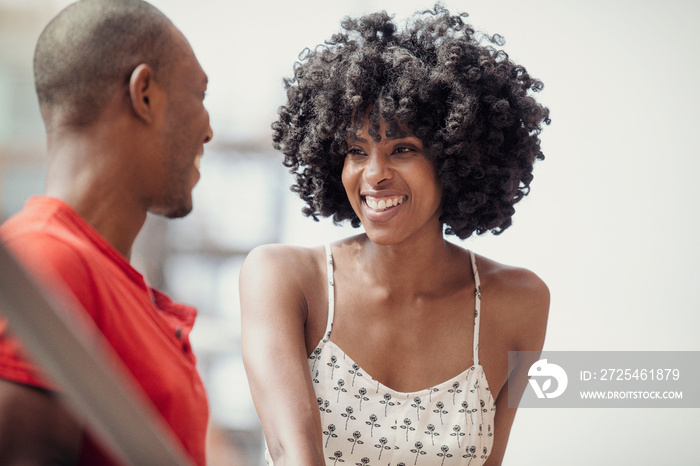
(120, 71)
(91, 47)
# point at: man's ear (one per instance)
(141, 92)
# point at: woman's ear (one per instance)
(141, 90)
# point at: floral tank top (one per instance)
(367, 423)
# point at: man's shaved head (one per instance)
(92, 47)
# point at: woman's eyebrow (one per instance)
(352, 137)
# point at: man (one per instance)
(121, 94)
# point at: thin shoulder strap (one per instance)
(331, 292)
(477, 307)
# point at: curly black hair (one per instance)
(447, 84)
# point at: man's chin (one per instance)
(179, 211)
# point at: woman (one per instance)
(391, 347)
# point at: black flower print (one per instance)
(419, 408)
(443, 454)
(386, 402)
(486, 454)
(337, 457)
(355, 440)
(372, 423)
(454, 390)
(440, 410)
(471, 454)
(323, 405)
(465, 410)
(339, 388)
(361, 396)
(456, 432)
(382, 445)
(432, 433)
(333, 365)
(407, 427)
(418, 450)
(363, 462)
(314, 356)
(348, 416)
(330, 432)
(315, 378)
(355, 372)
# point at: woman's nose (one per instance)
(378, 168)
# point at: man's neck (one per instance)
(87, 180)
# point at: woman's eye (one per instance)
(355, 151)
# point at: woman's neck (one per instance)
(412, 268)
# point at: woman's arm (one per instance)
(274, 313)
(530, 308)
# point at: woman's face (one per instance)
(392, 186)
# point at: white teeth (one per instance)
(197, 161)
(383, 204)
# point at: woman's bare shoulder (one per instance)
(517, 281)
(520, 296)
(280, 253)
(284, 260)
(287, 272)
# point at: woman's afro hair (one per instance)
(447, 84)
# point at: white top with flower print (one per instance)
(366, 423)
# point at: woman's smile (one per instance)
(379, 209)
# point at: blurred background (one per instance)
(611, 225)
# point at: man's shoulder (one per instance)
(38, 242)
(43, 219)
(52, 250)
